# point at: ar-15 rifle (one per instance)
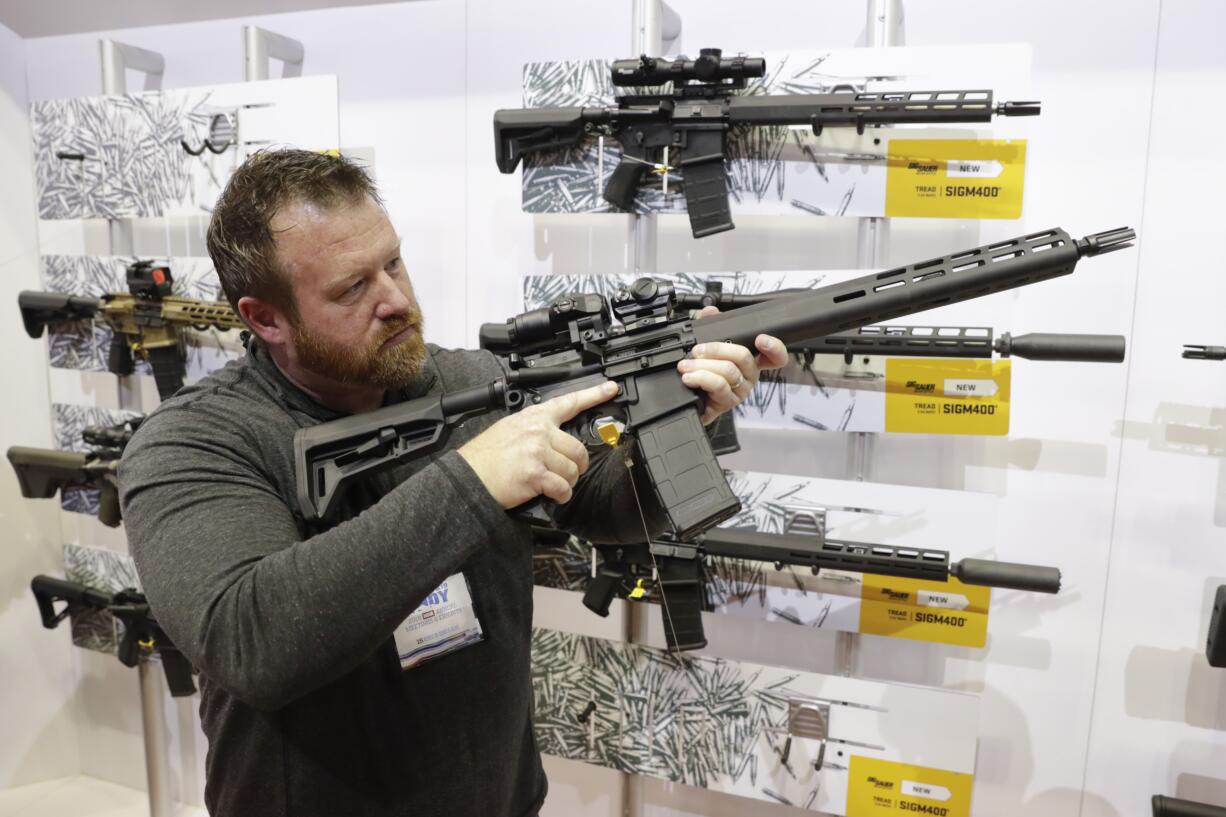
(146, 321)
(1204, 352)
(672, 571)
(1172, 807)
(693, 120)
(142, 637)
(42, 472)
(573, 344)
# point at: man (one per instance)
(303, 698)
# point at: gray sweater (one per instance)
(303, 700)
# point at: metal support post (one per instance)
(260, 45)
(118, 58)
(653, 24)
(883, 28)
(153, 719)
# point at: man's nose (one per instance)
(394, 302)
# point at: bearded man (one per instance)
(307, 702)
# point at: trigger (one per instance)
(610, 432)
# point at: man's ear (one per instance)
(266, 321)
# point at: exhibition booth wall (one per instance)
(1091, 700)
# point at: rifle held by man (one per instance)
(574, 344)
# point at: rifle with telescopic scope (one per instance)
(692, 121)
(574, 343)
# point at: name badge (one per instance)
(443, 623)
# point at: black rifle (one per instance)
(1204, 352)
(660, 415)
(693, 120)
(672, 572)
(142, 635)
(147, 320)
(1171, 807)
(42, 472)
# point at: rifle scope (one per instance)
(710, 68)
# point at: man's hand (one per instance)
(527, 454)
(728, 372)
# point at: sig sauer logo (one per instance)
(877, 782)
(895, 595)
(922, 168)
(921, 388)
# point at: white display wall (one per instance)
(1092, 700)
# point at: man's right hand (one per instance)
(527, 454)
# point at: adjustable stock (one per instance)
(48, 590)
(38, 309)
(517, 132)
(41, 472)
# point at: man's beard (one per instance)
(371, 365)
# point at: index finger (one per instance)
(566, 406)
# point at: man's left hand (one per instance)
(728, 372)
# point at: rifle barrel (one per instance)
(913, 288)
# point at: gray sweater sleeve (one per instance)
(265, 614)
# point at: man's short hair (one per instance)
(240, 241)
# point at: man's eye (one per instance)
(393, 265)
(355, 289)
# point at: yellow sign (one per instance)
(883, 787)
(943, 396)
(942, 612)
(955, 178)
